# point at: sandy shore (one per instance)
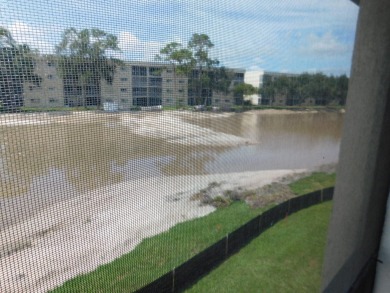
(79, 234)
(17, 119)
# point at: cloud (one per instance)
(285, 34)
(136, 49)
(325, 45)
(36, 37)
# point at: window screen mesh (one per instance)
(121, 119)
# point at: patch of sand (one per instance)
(77, 235)
(171, 127)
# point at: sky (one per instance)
(274, 35)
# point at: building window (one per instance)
(169, 70)
(109, 100)
(181, 91)
(168, 100)
(139, 81)
(50, 64)
(70, 90)
(216, 100)
(52, 100)
(227, 101)
(155, 71)
(123, 68)
(35, 101)
(155, 81)
(124, 100)
(140, 92)
(140, 102)
(239, 76)
(124, 79)
(51, 88)
(92, 90)
(154, 101)
(169, 91)
(49, 76)
(155, 92)
(123, 90)
(181, 81)
(169, 80)
(139, 70)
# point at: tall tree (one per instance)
(200, 45)
(83, 60)
(16, 67)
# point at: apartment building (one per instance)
(134, 84)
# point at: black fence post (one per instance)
(173, 280)
(227, 246)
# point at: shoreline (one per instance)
(47, 117)
(77, 235)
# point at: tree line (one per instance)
(82, 58)
(297, 89)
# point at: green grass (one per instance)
(286, 258)
(313, 182)
(159, 254)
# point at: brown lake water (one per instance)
(43, 163)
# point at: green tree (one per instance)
(200, 45)
(244, 89)
(83, 61)
(221, 79)
(342, 89)
(16, 67)
(323, 89)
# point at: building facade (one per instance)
(134, 84)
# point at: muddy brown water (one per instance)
(42, 164)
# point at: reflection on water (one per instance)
(285, 141)
(75, 157)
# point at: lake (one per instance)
(45, 158)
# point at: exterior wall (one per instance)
(363, 172)
(134, 84)
(174, 90)
(254, 78)
(120, 90)
(222, 100)
(50, 93)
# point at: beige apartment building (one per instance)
(135, 84)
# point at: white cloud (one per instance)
(327, 44)
(135, 48)
(36, 37)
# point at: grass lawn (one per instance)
(315, 181)
(286, 258)
(157, 255)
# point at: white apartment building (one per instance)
(135, 84)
